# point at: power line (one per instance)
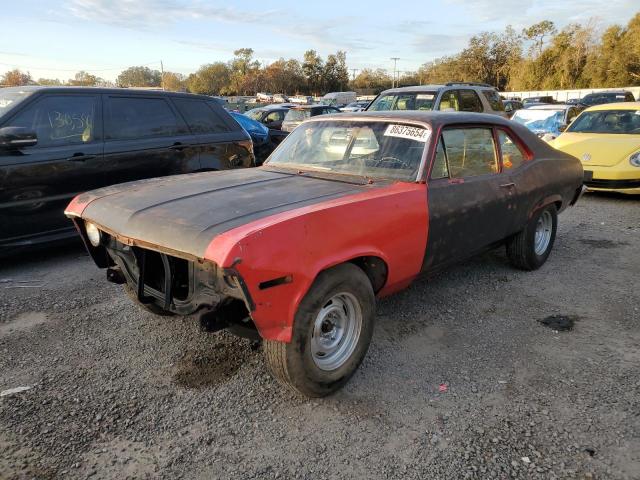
(24, 67)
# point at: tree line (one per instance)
(540, 57)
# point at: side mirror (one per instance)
(17, 137)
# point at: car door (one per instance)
(469, 200)
(144, 138)
(38, 182)
(212, 133)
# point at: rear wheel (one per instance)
(331, 333)
(530, 248)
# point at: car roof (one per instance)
(434, 119)
(98, 90)
(551, 106)
(615, 106)
(308, 107)
(607, 92)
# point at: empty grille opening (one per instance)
(180, 280)
(154, 271)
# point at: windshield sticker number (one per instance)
(412, 133)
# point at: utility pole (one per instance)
(161, 75)
(354, 70)
(395, 63)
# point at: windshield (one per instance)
(368, 149)
(248, 124)
(403, 101)
(10, 97)
(607, 121)
(540, 120)
(297, 115)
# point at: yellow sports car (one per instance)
(606, 139)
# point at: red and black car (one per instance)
(348, 208)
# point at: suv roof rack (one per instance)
(471, 84)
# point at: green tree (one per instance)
(84, 79)
(16, 78)
(139, 77)
(210, 79)
(536, 34)
(49, 82)
(312, 69)
(174, 82)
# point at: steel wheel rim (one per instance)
(543, 232)
(336, 331)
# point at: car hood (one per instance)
(598, 149)
(185, 212)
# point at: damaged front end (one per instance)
(169, 282)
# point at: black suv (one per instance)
(58, 142)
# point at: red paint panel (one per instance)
(388, 222)
(78, 204)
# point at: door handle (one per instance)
(80, 157)
(507, 185)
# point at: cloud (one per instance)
(150, 13)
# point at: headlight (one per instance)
(93, 233)
(635, 159)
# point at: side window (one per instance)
(571, 115)
(469, 101)
(495, 101)
(470, 152)
(440, 168)
(449, 101)
(512, 156)
(130, 118)
(274, 117)
(60, 120)
(629, 97)
(200, 117)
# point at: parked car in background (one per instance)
(270, 116)
(338, 99)
(546, 99)
(356, 106)
(547, 121)
(280, 98)
(611, 96)
(573, 101)
(302, 99)
(296, 115)
(459, 97)
(348, 208)
(264, 97)
(260, 135)
(58, 141)
(511, 106)
(606, 139)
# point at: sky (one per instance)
(55, 39)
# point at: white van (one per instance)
(338, 99)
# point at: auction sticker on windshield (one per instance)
(419, 134)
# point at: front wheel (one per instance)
(331, 333)
(530, 248)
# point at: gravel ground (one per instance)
(119, 393)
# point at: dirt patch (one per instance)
(207, 369)
(24, 321)
(560, 323)
(602, 243)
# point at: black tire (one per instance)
(521, 248)
(293, 364)
(156, 310)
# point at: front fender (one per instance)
(280, 257)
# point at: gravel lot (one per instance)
(118, 393)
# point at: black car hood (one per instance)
(185, 212)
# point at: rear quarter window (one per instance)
(200, 116)
(494, 100)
